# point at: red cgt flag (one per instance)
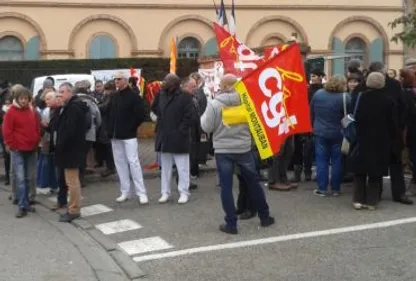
(270, 52)
(236, 57)
(276, 100)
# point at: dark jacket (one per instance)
(125, 114)
(326, 114)
(410, 96)
(201, 99)
(394, 91)
(313, 88)
(375, 128)
(70, 137)
(52, 128)
(102, 134)
(175, 113)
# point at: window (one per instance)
(11, 48)
(273, 41)
(189, 47)
(355, 48)
(102, 47)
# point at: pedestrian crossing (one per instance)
(133, 248)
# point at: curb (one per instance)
(110, 255)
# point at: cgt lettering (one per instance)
(273, 109)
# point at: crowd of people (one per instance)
(47, 139)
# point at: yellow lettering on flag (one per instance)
(256, 126)
(173, 53)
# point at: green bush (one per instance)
(152, 68)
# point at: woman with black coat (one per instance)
(371, 155)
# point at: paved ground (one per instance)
(314, 238)
(32, 249)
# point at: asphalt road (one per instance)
(310, 240)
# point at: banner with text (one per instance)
(276, 100)
(108, 74)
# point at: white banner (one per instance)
(108, 74)
(212, 77)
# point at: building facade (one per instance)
(81, 29)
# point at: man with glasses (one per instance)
(125, 114)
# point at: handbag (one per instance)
(349, 129)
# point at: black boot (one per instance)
(298, 174)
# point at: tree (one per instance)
(408, 35)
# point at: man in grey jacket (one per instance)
(83, 93)
(232, 146)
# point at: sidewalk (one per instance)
(34, 250)
(38, 248)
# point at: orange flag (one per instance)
(173, 52)
(275, 98)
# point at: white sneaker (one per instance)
(122, 198)
(143, 199)
(183, 199)
(357, 206)
(164, 198)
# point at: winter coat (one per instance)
(102, 133)
(21, 128)
(375, 129)
(175, 113)
(70, 136)
(125, 114)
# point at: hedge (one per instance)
(152, 68)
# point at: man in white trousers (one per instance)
(175, 114)
(125, 114)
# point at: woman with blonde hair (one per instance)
(327, 110)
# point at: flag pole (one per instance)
(215, 6)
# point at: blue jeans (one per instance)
(328, 151)
(247, 166)
(22, 171)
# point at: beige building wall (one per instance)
(141, 28)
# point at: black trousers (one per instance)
(6, 157)
(63, 188)
(193, 155)
(244, 201)
(87, 146)
(303, 154)
(104, 153)
(397, 182)
(367, 189)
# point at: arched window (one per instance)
(356, 48)
(102, 47)
(273, 41)
(11, 48)
(189, 47)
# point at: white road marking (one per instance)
(144, 245)
(95, 210)
(275, 239)
(118, 226)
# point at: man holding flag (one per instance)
(232, 146)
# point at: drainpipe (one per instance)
(406, 10)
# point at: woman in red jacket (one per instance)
(21, 132)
